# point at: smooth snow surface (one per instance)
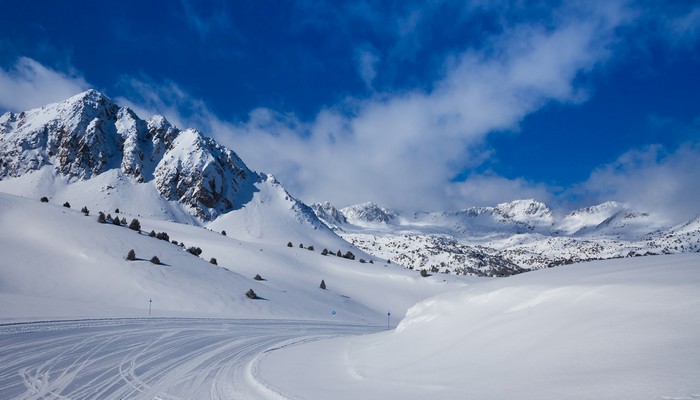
(57, 263)
(618, 329)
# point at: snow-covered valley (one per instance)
(144, 261)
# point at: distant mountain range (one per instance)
(92, 152)
(508, 238)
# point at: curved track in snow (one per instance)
(147, 358)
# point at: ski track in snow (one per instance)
(148, 358)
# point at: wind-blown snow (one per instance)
(617, 329)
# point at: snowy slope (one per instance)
(58, 263)
(617, 329)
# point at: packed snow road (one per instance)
(148, 358)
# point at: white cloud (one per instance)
(29, 84)
(650, 179)
(367, 60)
(402, 149)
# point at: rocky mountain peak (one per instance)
(369, 212)
(88, 134)
(330, 215)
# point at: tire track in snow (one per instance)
(147, 358)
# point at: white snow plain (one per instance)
(616, 329)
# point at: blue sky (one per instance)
(413, 105)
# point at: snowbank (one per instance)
(617, 329)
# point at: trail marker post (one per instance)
(150, 301)
(388, 315)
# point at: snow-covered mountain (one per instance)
(88, 151)
(509, 238)
(88, 135)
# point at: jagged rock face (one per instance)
(200, 173)
(330, 215)
(368, 212)
(89, 134)
(78, 136)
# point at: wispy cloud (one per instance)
(29, 84)
(403, 149)
(206, 24)
(650, 179)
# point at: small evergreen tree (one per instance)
(258, 277)
(109, 218)
(194, 250)
(349, 255)
(289, 244)
(339, 254)
(123, 221)
(131, 256)
(155, 260)
(117, 222)
(323, 284)
(423, 273)
(310, 248)
(152, 234)
(362, 261)
(324, 252)
(371, 262)
(135, 225)
(85, 211)
(163, 236)
(66, 205)
(251, 294)
(101, 218)
(44, 199)
(116, 211)
(213, 261)
(223, 233)
(301, 245)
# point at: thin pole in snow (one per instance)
(388, 315)
(149, 306)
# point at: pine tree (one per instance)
(324, 252)
(213, 261)
(135, 225)
(258, 277)
(251, 294)
(289, 244)
(155, 260)
(131, 256)
(323, 284)
(101, 218)
(66, 205)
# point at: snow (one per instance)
(622, 328)
(523, 234)
(603, 330)
(58, 263)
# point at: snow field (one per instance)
(604, 330)
(80, 270)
